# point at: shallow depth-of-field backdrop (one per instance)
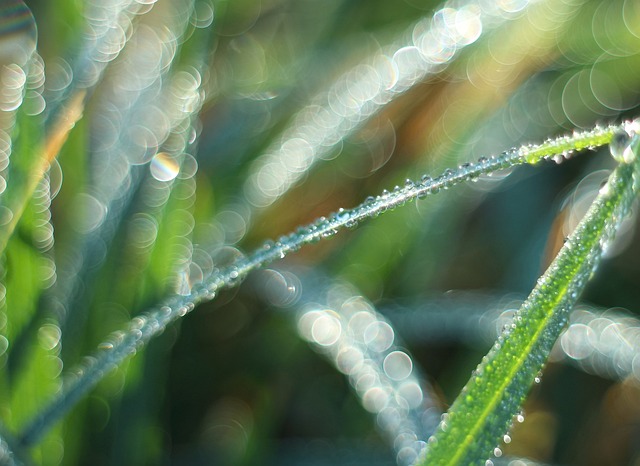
(184, 133)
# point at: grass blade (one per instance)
(484, 410)
(143, 328)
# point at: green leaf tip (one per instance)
(484, 410)
(565, 146)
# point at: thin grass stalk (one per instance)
(143, 328)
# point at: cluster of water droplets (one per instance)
(624, 148)
(111, 352)
(325, 227)
(517, 357)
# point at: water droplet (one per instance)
(233, 275)
(267, 245)
(342, 215)
(620, 147)
(425, 182)
(351, 223)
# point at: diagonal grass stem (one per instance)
(143, 328)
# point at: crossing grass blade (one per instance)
(484, 410)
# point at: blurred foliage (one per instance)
(233, 383)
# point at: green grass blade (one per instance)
(484, 410)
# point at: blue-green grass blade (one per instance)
(484, 410)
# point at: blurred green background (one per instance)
(233, 383)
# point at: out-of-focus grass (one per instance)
(233, 383)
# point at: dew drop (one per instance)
(267, 245)
(448, 177)
(234, 274)
(620, 147)
(351, 223)
(342, 215)
(425, 182)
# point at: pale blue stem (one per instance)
(143, 328)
